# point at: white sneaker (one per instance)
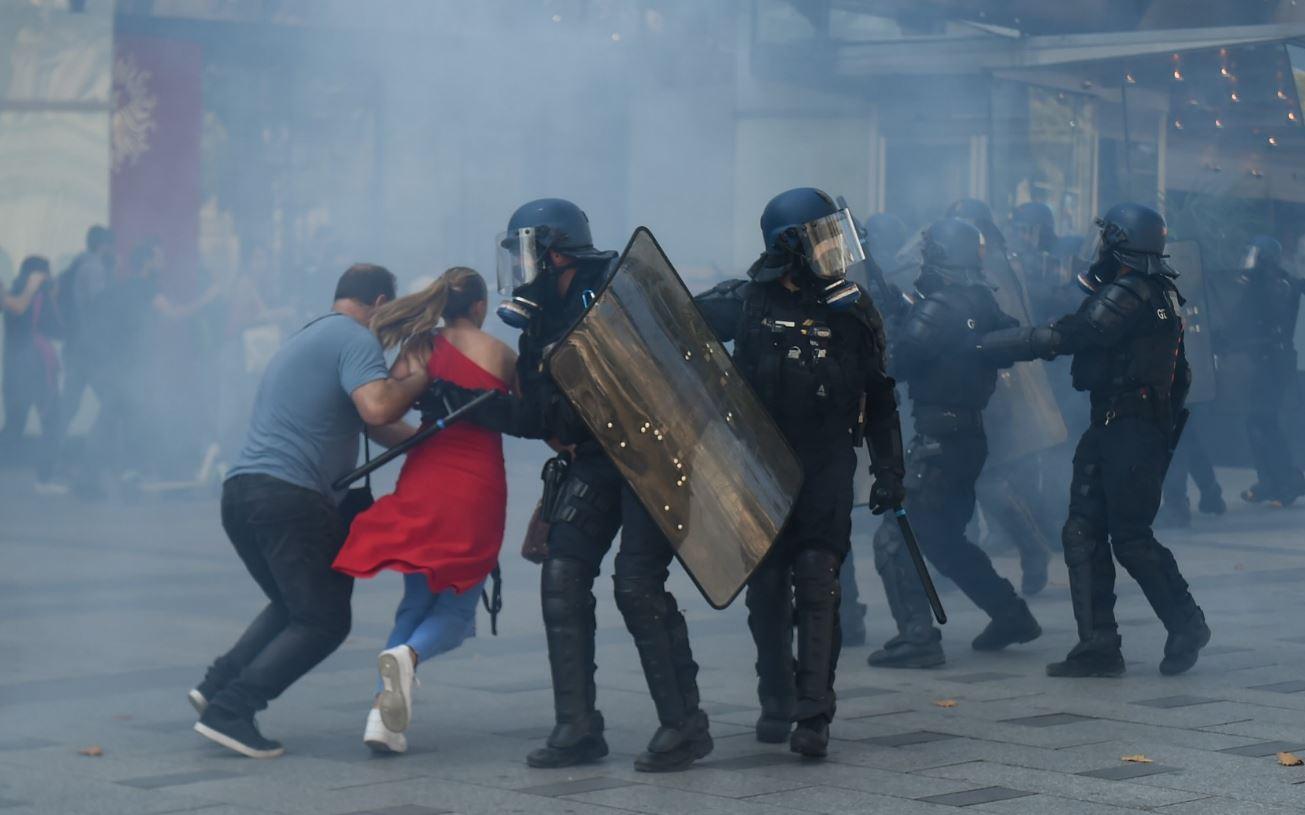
(397, 675)
(197, 701)
(381, 738)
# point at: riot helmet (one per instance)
(1263, 254)
(951, 253)
(979, 214)
(1129, 235)
(804, 228)
(972, 210)
(535, 229)
(809, 235)
(1034, 225)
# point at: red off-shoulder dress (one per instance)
(445, 517)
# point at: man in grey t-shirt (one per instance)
(320, 390)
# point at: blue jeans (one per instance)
(432, 623)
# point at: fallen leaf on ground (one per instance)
(1138, 759)
(945, 702)
(1290, 760)
(95, 751)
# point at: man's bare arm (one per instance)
(385, 401)
(393, 434)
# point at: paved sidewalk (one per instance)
(110, 614)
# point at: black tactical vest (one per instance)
(807, 362)
(946, 326)
(1264, 314)
(1144, 360)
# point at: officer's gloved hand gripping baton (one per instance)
(416, 439)
(913, 546)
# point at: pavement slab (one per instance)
(142, 605)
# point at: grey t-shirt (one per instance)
(305, 428)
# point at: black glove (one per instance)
(442, 398)
(887, 493)
(1007, 346)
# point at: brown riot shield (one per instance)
(663, 398)
(1185, 258)
(1022, 417)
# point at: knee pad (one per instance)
(815, 576)
(565, 589)
(1136, 551)
(642, 602)
(1079, 538)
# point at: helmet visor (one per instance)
(518, 260)
(1251, 259)
(831, 245)
(1089, 251)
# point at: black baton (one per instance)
(913, 546)
(419, 437)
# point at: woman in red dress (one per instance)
(442, 527)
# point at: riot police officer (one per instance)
(1008, 491)
(1263, 303)
(1033, 254)
(811, 344)
(932, 351)
(1127, 343)
(548, 263)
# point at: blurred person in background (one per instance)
(443, 525)
(281, 512)
(132, 310)
(1257, 348)
(79, 290)
(31, 367)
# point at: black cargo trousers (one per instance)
(593, 503)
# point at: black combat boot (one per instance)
(1099, 656)
(811, 737)
(816, 590)
(1156, 572)
(675, 748)
(1017, 626)
(910, 649)
(662, 639)
(566, 589)
(770, 619)
(1092, 596)
(1184, 644)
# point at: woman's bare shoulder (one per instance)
(486, 350)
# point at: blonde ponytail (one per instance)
(413, 318)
